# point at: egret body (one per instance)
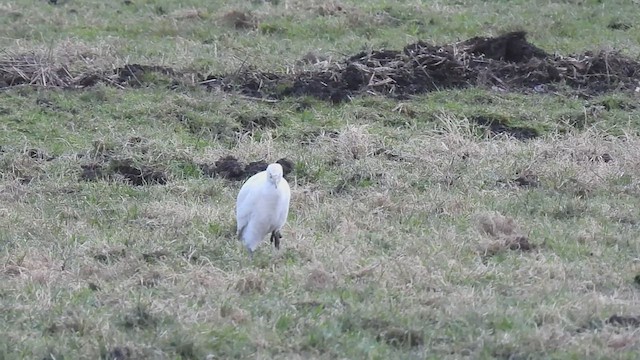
(262, 207)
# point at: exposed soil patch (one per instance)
(251, 123)
(155, 256)
(507, 62)
(525, 178)
(118, 353)
(110, 256)
(624, 321)
(103, 163)
(500, 126)
(134, 74)
(38, 154)
(240, 20)
(140, 318)
(401, 337)
(619, 25)
(125, 170)
(250, 284)
(605, 157)
(505, 235)
(230, 168)
(356, 180)
(386, 332)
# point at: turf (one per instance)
(468, 222)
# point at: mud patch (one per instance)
(230, 168)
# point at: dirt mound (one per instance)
(506, 63)
(124, 170)
(230, 168)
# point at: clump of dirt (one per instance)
(123, 169)
(139, 317)
(527, 178)
(356, 180)
(251, 123)
(152, 279)
(619, 25)
(230, 168)
(318, 279)
(497, 126)
(104, 163)
(38, 154)
(155, 256)
(133, 74)
(504, 234)
(110, 255)
(605, 157)
(624, 321)
(386, 332)
(511, 47)
(251, 283)
(240, 20)
(524, 178)
(118, 353)
(399, 337)
(249, 82)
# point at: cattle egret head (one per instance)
(274, 172)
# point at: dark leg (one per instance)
(275, 238)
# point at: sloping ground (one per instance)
(507, 63)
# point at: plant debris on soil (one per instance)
(504, 63)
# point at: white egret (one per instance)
(262, 207)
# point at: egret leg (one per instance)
(275, 238)
(250, 254)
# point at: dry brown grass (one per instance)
(395, 207)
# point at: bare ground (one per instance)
(504, 63)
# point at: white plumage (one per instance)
(262, 207)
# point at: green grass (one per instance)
(397, 244)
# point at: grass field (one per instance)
(419, 228)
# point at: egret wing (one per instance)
(246, 201)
